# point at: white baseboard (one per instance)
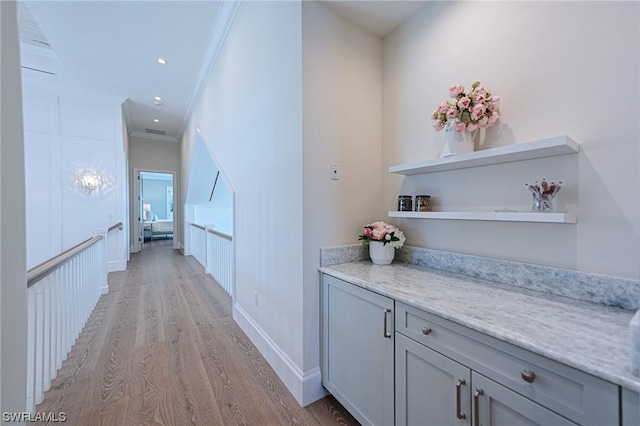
(116, 265)
(305, 386)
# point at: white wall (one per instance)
(250, 117)
(153, 155)
(159, 156)
(560, 68)
(13, 283)
(67, 131)
(277, 161)
(342, 108)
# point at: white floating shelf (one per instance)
(551, 147)
(491, 216)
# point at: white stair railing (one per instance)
(199, 243)
(214, 251)
(61, 294)
(220, 258)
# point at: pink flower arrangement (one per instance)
(467, 111)
(383, 232)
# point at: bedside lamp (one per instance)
(146, 208)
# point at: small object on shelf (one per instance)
(468, 113)
(544, 194)
(423, 203)
(405, 203)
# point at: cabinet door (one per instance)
(576, 395)
(431, 389)
(630, 408)
(495, 405)
(357, 350)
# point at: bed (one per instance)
(161, 227)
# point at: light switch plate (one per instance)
(335, 171)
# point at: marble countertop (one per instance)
(590, 337)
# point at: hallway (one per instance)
(162, 348)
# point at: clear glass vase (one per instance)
(543, 203)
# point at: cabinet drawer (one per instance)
(582, 398)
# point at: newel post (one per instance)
(102, 261)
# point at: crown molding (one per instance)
(126, 113)
(224, 19)
(151, 136)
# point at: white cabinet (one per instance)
(432, 389)
(508, 386)
(390, 363)
(357, 350)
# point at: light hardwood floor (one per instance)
(162, 348)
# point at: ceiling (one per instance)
(377, 17)
(113, 47)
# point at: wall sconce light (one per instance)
(89, 180)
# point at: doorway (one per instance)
(155, 211)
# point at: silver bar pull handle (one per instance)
(385, 333)
(476, 408)
(458, 386)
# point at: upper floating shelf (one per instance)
(551, 147)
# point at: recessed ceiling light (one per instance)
(155, 120)
(158, 98)
(162, 61)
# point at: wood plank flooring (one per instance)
(162, 349)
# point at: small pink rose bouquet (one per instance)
(383, 232)
(467, 111)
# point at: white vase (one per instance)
(380, 253)
(456, 143)
(479, 136)
(462, 142)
